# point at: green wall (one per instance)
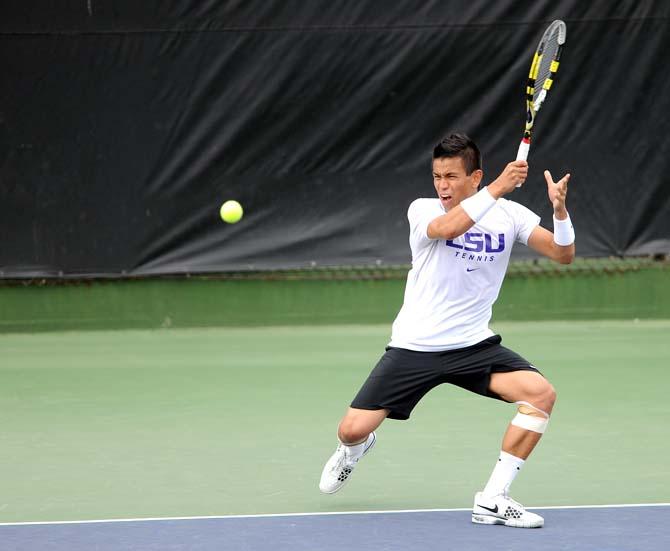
(193, 302)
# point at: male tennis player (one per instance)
(461, 243)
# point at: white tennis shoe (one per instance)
(339, 467)
(502, 509)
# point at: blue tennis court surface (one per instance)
(606, 528)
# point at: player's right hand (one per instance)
(515, 173)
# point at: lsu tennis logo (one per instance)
(475, 243)
(479, 242)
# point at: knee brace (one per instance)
(529, 417)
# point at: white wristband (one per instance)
(564, 233)
(478, 204)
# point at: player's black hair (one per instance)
(459, 145)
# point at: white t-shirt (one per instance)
(453, 284)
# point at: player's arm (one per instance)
(454, 223)
(463, 216)
(560, 245)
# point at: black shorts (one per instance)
(402, 377)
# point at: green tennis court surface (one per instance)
(240, 421)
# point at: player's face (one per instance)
(451, 181)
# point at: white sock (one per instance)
(504, 473)
(355, 452)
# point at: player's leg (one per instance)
(357, 437)
(357, 425)
(535, 398)
(396, 384)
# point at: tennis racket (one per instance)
(540, 78)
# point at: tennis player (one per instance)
(461, 243)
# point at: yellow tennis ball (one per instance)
(231, 212)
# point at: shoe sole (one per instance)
(372, 445)
(514, 523)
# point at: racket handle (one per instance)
(522, 153)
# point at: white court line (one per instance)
(316, 514)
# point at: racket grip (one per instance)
(522, 153)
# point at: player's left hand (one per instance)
(557, 190)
